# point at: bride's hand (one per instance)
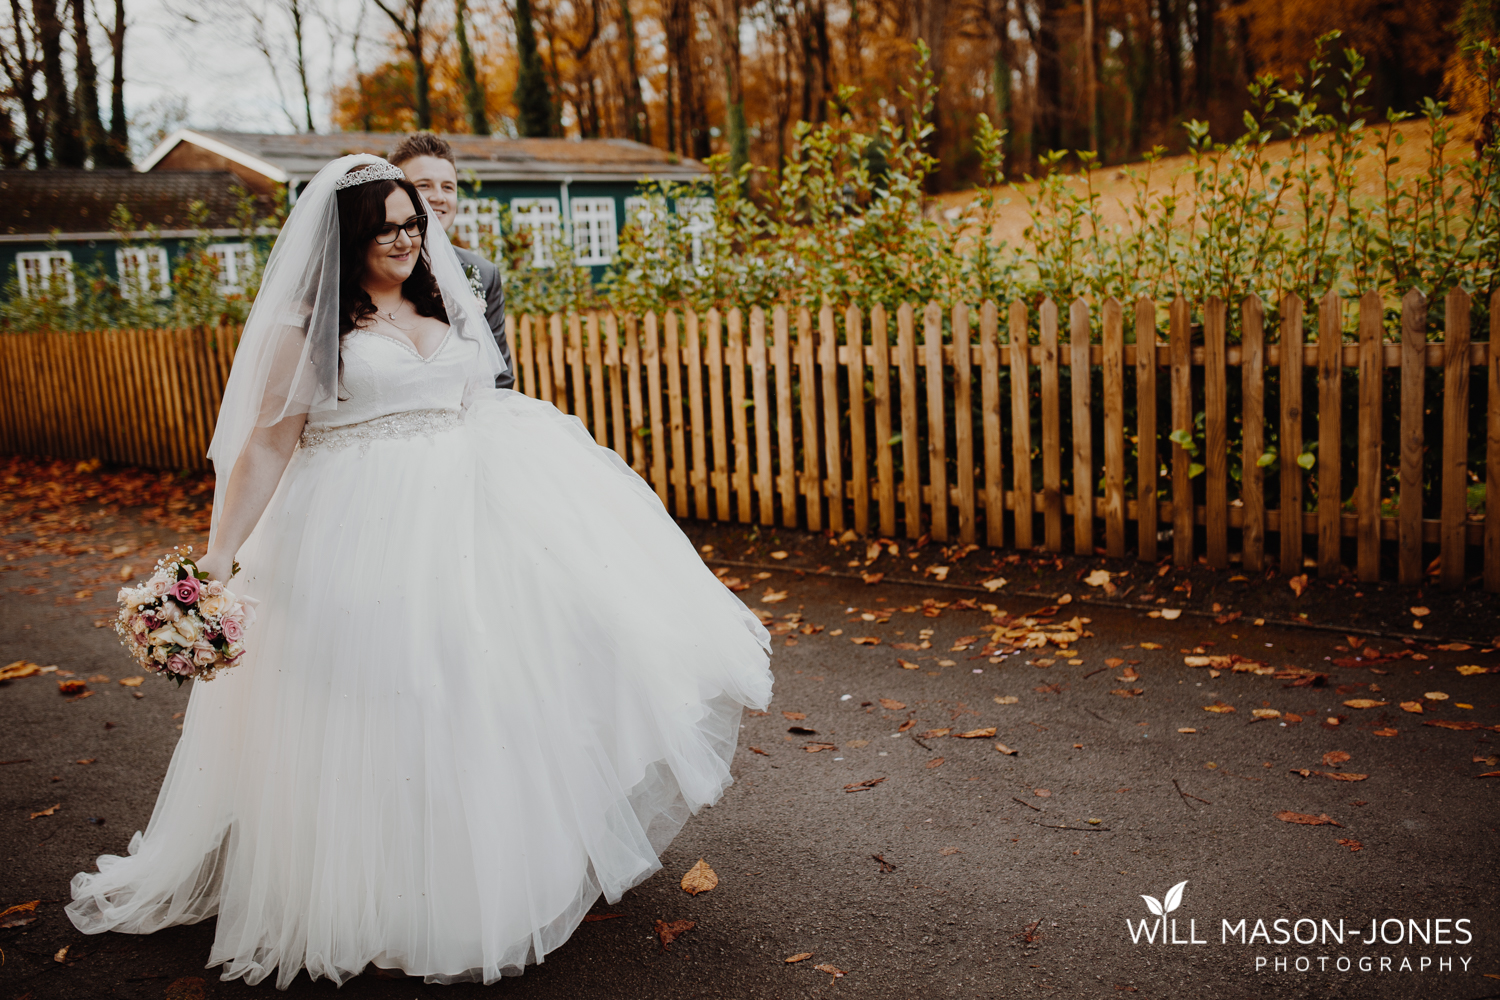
(216, 566)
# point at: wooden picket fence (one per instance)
(826, 421)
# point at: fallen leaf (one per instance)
(773, 597)
(872, 578)
(1187, 729)
(1322, 819)
(1002, 748)
(1298, 584)
(1469, 670)
(1097, 578)
(1129, 692)
(976, 734)
(699, 878)
(1042, 793)
(994, 584)
(1353, 845)
(801, 956)
(1219, 707)
(818, 747)
(1435, 696)
(1365, 703)
(908, 724)
(835, 973)
(795, 716)
(131, 682)
(1265, 713)
(1343, 775)
(1333, 757)
(1488, 774)
(48, 811)
(935, 762)
(1421, 612)
(590, 917)
(761, 576)
(863, 786)
(892, 704)
(667, 932)
(1171, 614)
(17, 916)
(62, 954)
(19, 669)
(908, 665)
(1415, 707)
(1008, 699)
(948, 852)
(86, 760)
(759, 751)
(1386, 732)
(866, 640)
(1130, 674)
(1463, 726)
(70, 687)
(778, 555)
(933, 734)
(1113, 661)
(1151, 645)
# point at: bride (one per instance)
(490, 678)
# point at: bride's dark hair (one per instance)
(361, 214)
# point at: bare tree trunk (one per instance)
(21, 69)
(1090, 76)
(822, 55)
(638, 123)
(413, 37)
(728, 18)
(473, 92)
(1000, 22)
(1047, 112)
(119, 134)
(1206, 12)
(930, 24)
(88, 86)
(294, 8)
(1171, 31)
(67, 143)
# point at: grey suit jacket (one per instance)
(494, 311)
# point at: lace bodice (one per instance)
(383, 376)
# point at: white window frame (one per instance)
(594, 240)
(44, 265)
(135, 267)
(236, 260)
(697, 214)
(543, 216)
(645, 211)
(476, 216)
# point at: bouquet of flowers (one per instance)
(182, 624)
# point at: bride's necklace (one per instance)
(389, 316)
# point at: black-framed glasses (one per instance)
(415, 227)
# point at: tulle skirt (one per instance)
(489, 681)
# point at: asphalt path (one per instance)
(958, 870)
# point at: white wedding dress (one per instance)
(490, 679)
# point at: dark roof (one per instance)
(301, 155)
(81, 201)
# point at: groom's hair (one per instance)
(421, 144)
(361, 211)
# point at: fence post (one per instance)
(1182, 420)
(616, 386)
(1253, 432)
(1216, 433)
(1413, 400)
(963, 422)
(1147, 510)
(596, 380)
(937, 431)
(1455, 435)
(1020, 426)
(828, 364)
(1052, 501)
(1330, 433)
(807, 385)
(1367, 488)
(698, 477)
(911, 468)
(719, 480)
(781, 357)
(1291, 362)
(989, 376)
(1112, 331)
(885, 466)
(1083, 428)
(854, 344)
(763, 461)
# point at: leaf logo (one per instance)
(1172, 900)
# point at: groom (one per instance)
(428, 163)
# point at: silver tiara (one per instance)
(381, 171)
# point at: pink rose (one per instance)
(186, 591)
(203, 653)
(233, 630)
(214, 588)
(179, 664)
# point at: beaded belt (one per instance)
(409, 423)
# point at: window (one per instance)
(236, 262)
(697, 216)
(542, 217)
(46, 272)
(143, 273)
(476, 217)
(644, 212)
(593, 230)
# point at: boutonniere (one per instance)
(476, 284)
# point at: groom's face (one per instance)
(437, 179)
